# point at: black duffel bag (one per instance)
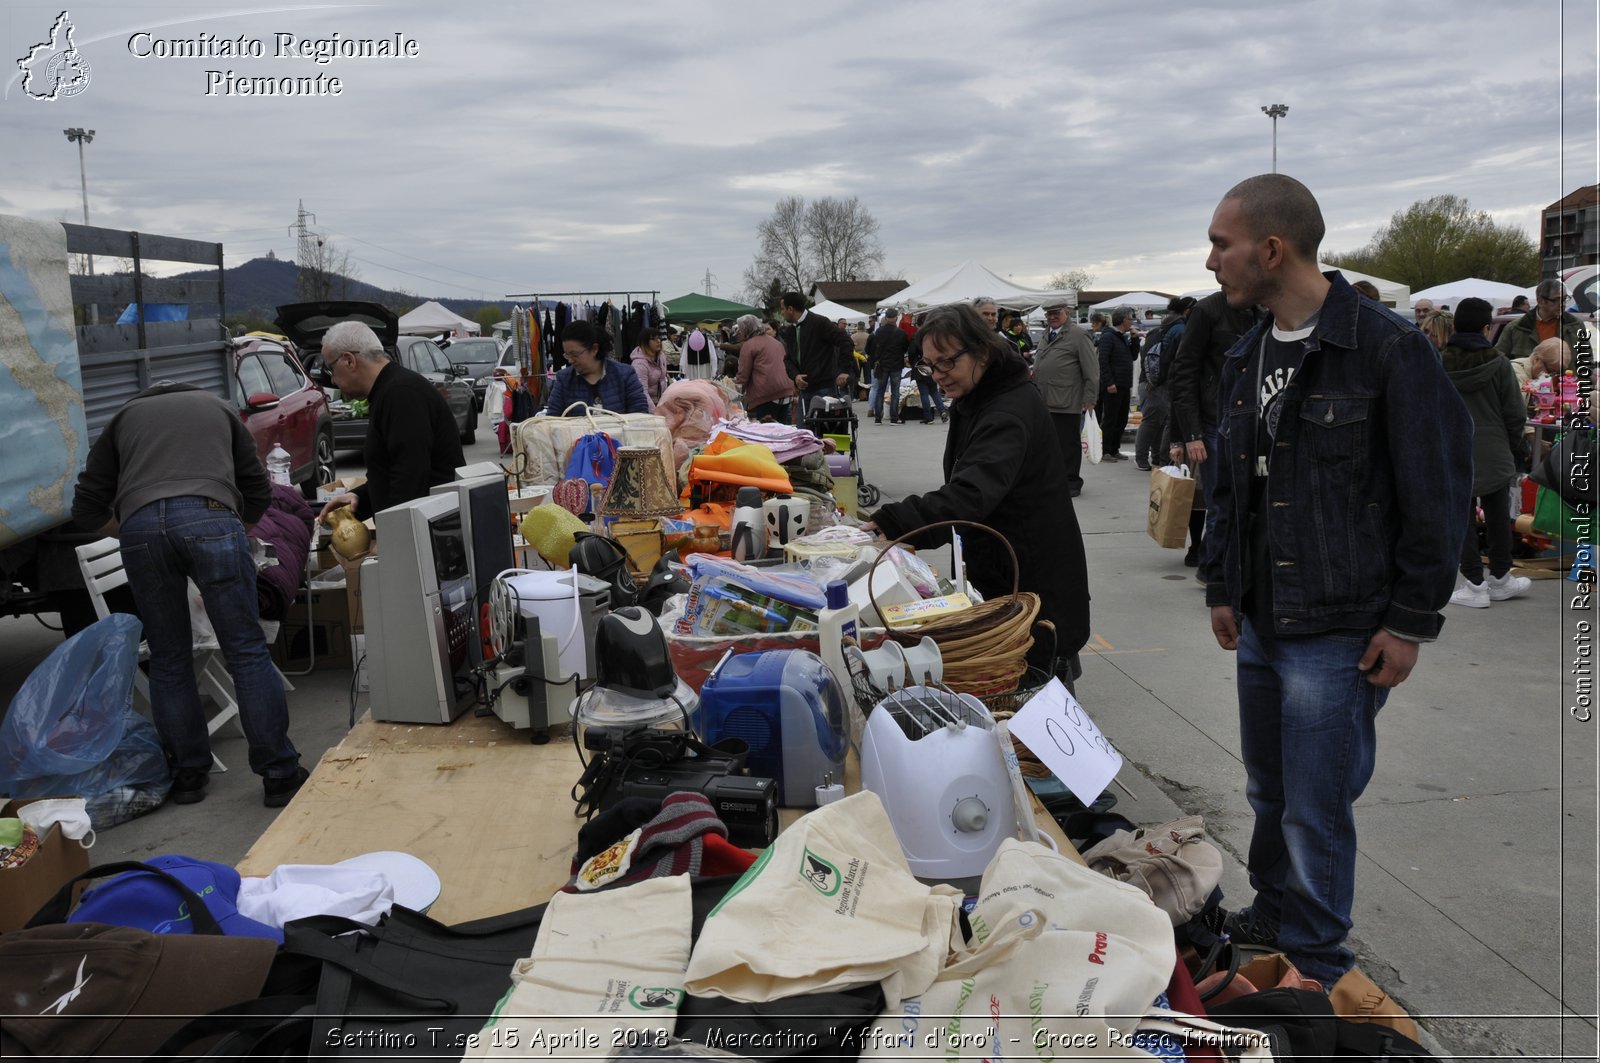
(413, 988)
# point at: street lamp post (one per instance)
(1275, 111)
(83, 136)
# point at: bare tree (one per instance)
(798, 245)
(327, 275)
(1076, 280)
(781, 245)
(842, 236)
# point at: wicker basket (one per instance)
(985, 648)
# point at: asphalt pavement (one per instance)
(1477, 878)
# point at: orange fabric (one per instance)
(729, 460)
(1546, 330)
(710, 513)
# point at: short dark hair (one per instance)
(581, 332)
(1368, 289)
(794, 300)
(960, 324)
(1275, 204)
(1473, 314)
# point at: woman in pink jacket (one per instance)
(651, 367)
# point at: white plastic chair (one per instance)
(101, 565)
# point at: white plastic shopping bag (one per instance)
(1092, 446)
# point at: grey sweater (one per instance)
(171, 441)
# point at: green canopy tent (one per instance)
(693, 308)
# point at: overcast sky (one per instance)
(557, 146)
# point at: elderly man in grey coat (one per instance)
(1067, 373)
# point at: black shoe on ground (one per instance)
(1192, 558)
(898, 420)
(279, 792)
(1141, 464)
(877, 420)
(190, 786)
(1243, 927)
(927, 420)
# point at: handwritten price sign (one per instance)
(1059, 732)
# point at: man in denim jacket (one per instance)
(1345, 466)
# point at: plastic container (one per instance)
(838, 625)
(278, 465)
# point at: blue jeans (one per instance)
(1308, 735)
(880, 382)
(163, 545)
(929, 395)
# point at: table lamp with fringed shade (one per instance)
(640, 486)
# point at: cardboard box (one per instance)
(26, 888)
(352, 590)
(327, 632)
(642, 541)
(339, 487)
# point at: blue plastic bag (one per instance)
(593, 458)
(72, 728)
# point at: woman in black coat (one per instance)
(1002, 468)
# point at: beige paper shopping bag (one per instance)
(829, 905)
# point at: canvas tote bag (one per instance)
(1062, 957)
(830, 905)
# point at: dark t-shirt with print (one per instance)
(1278, 361)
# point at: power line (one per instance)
(465, 273)
(430, 280)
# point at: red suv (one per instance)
(279, 404)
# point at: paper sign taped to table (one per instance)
(1060, 733)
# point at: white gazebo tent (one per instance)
(1492, 292)
(1392, 294)
(964, 283)
(833, 311)
(1137, 300)
(431, 318)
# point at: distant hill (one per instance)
(261, 285)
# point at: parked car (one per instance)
(279, 403)
(474, 358)
(305, 324)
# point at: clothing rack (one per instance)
(655, 294)
(537, 299)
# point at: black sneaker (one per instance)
(280, 791)
(1141, 464)
(1243, 927)
(190, 786)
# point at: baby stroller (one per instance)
(837, 418)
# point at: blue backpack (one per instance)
(1159, 347)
